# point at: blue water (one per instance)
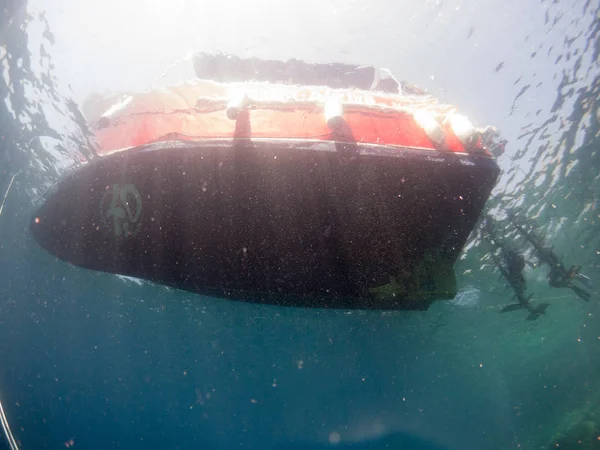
(93, 361)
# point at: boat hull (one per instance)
(285, 222)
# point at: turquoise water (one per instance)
(94, 361)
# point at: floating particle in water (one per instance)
(334, 437)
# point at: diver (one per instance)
(511, 264)
(511, 267)
(559, 276)
(514, 263)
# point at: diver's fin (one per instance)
(581, 293)
(510, 308)
(538, 311)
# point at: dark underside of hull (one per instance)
(291, 223)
